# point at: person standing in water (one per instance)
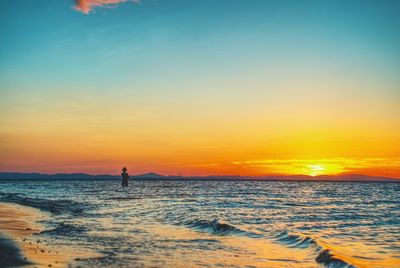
(125, 177)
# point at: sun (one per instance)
(316, 169)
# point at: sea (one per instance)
(191, 223)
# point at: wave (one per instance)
(326, 258)
(49, 205)
(324, 255)
(64, 229)
(217, 228)
(213, 226)
(294, 240)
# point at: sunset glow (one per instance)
(316, 170)
(176, 89)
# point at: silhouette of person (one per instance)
(125, 177)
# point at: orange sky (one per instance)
(280, 89)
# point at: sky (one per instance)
(207, 87)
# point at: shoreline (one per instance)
(19, 247)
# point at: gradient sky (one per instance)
(200, 87)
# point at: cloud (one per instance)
(369, 166)
(86, 6)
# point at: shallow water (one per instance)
(219, 223)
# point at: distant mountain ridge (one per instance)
(156, 176)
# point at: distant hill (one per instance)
(155, 176)
(150, 175)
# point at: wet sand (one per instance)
(18, 244)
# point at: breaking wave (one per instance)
(53, 206)
(213, 227)
(324, 256)
(299, 241)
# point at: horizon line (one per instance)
(343, 175)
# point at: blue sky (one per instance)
(138, 39)
(205, 67)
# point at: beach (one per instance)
(19, 246)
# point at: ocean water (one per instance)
(219, 223)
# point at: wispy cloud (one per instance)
(86, 6)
